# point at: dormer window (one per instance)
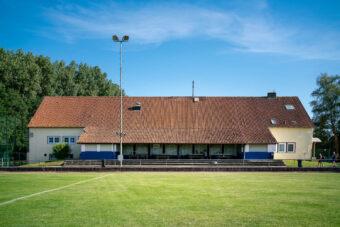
(290, 107)
(136, 107)
(273, 121)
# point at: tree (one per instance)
(326, 108)
(25, 79)
(61, 151)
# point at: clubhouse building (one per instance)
(268, 127)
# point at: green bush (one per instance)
(61, 151)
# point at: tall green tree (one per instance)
(25, 79)
(326, 108)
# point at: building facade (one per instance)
(267, 127)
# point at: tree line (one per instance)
(26, 78)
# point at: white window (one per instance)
(72, 140)
(273, 121)
(281, 147)
(56, 139)
(50, 139)
(69, 139)
(271, 148)
(53, 139)
(290, 107)
(290, 147)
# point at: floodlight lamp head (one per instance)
(115, 38)
(125, 38)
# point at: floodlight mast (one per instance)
(125, 38)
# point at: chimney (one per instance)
(271, 95)
(195, 99)
(193, 89)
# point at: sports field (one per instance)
(169, 199)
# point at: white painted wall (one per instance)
(272, 148)
(258, 147)
(107, 147)
(301, 136)
(99, 147)
(90, 147)
(38, 145)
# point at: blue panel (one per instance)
(258, 155)
(94, 155)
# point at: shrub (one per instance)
(61, 151)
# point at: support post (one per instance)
(121, 108)
(177, 151)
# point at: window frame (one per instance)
(74, 140)
(273, 121)
(294, 146)
(48, 139)
(278, 148)
(66, 138)
(54, 139)
(290, 107)
(69, 139)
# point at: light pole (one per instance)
(125, 38)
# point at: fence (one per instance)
(176, 162)
(8, 137)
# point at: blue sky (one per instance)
(230, 48)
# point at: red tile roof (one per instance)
(212, 120)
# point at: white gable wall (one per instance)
(302, 137)
(38, 144)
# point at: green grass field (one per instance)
(314, 163)
(45, 164)
(171, 199)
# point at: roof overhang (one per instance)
(316, 140)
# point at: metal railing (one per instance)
(177, 162)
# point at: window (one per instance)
(281, 147)
(69, 139)
(286, 147)
(273, 121)
(136, 107)
(53, 139)
(49, 139)
(290, 107)
(290, 147)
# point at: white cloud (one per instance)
(160, 23)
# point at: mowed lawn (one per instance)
(171, 199)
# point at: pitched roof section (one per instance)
(212, 120)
